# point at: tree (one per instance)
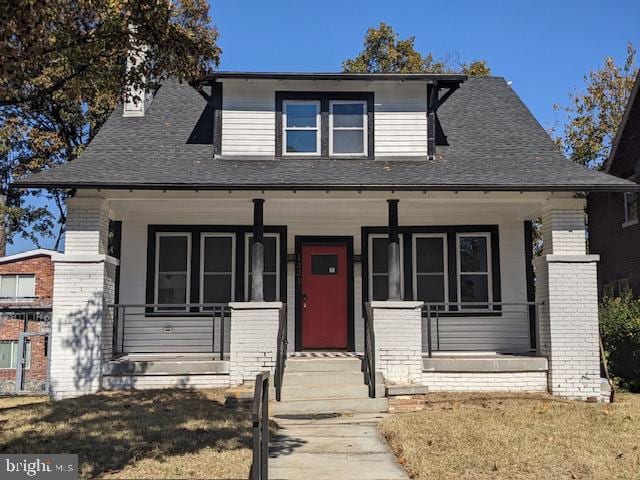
(64, 70)
(384, 51)
(593, 115)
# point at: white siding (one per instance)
(248, 116)
(326, 215)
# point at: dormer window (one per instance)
(324, 124)
(348, 127)
(301, 120)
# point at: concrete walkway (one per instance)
(332, 448)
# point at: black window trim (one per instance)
(239, 231)
(324, 98)
(451, 232)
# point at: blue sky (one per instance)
(544, 47)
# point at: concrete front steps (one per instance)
(327, 385)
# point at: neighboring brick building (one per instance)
(26, 288)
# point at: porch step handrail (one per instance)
(434, 311)
(219, 313)
(260, 421)
(281, 359)
(369, 351)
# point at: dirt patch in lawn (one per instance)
(482, 436)
(141, 434)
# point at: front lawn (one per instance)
(140, 434)
(504, 436)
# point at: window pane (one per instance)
(380, 287)
(348, 141)
(8, 286)
(301, 115)
(380, 255)
(172, 288)
(26, 286)
(27, 356)
(270, 253)
(302, 141)
(324, 264)
(473, 254)
(5, 355)
(217, 289)
(270, 288)
(348, 114)
(429, 255)
(474, 288)
(218, 254)
(430, 288)
(631, 202)
(173, 254)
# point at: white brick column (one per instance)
(397, 327)
(84, 283)
(566, 281)
(254, 339)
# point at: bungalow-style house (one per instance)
(26, 288)
(390, 213)
(614, 232)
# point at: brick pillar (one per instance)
(566, 281)
(84, 283)
(397, 327)
(254, 339)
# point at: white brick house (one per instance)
(413, 194)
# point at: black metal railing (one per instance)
(27, 314)
(260, 420)
(437, 316)
(281, 359)
(133, 324)
(369, 351)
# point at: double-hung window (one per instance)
(271, 274)
(379, 267)
(430, 281)
(17, 287)
(301, 127)
(630, 208)
(9, 354)
(217, 272)
(173, 267)
(474, 269)
(348, 127)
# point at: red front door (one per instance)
(324, 297)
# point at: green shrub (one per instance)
(620, 327)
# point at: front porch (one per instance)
(449, 275)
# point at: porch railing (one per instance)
(260, 420)
(442, 330)
(369, 351)
(162, 328)
(281, 359)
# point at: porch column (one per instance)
(84, 283)
(566, 281)
(257, 252)
(394, 253)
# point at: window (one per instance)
(609, 290)
(348, 127)
(9, 354)
(17, 287)
(301, 120)
(474, 268)
(217, 272)
(630, 208)
(173, 269)
(624, 286)
(271, 274)
(379, 267)
(430, 279)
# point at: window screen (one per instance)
(218, 258)
(173, 268)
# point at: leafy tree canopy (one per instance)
(63, 70)
(593, 115)
(385, 52)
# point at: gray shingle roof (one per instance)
(494, 143)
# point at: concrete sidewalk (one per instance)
(332, 448)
